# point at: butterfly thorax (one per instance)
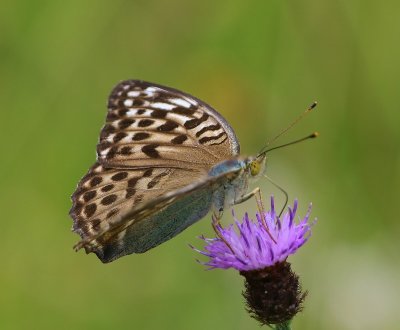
(238, 172)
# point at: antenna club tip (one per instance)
(312, 106)
(314, 135)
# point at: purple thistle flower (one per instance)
(250, 246)
(258, 250)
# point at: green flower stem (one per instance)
(283, 326)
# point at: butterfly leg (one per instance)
(216, 217)
(260, 205)
(217, 229)
(257, 194)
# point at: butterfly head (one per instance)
(256, 166)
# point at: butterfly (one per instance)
(164, 160)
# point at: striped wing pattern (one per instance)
(151, 125)
(156, 141)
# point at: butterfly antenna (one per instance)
(311, 107)
(311, 136)
(282, 190)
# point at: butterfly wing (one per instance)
(150, 224)
(152, 125)
(156, 140)
(107, 194)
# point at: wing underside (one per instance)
(150, 224)
(154, 153)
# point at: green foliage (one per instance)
(260, 63)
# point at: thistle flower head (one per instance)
(258, 250)
(257, 244)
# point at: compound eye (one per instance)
(255, 167)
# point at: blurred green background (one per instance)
(260, 63)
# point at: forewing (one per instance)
(152, 125)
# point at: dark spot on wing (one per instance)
(95, 181)
(148, 173)
(150, 150)
(130, 192)
(126, 150)
(119, 136)
(145, 122)
(132, 182)
(138, 102)
(122, 112)
(211, 138)
(90, 209)
(156, 180)
(109, 199)
(192, 123)
(208, 128)
(119, 176)
(104, 145)
(168, 126)
(87, 196)
(140, 136)
(183, 111)
(179, 139)
(124, 123)
(107, 130)
(107, 188)
(111, 116)
(158, 113)
(111, 153)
